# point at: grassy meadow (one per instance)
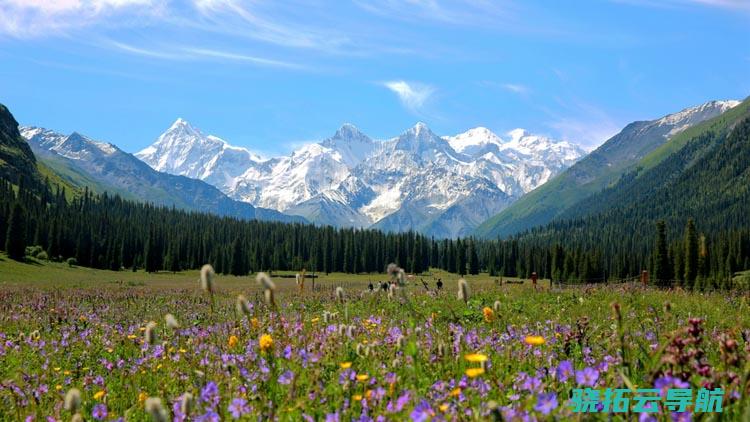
(79, 344)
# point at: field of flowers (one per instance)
(228, 348)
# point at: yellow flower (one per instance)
(455, 392)
(314, 320)
(266, 342)
(58, 387)
(534, 340)
(357, 397)
(142, 396)
(362, 377)
(99, 394)
(233, 340)
(345, 365)
(132, 336)
(474, 372)
(443, 407)
(489, 314)
(82, 318)
(476, 357)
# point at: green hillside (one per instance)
(708, 179)
(17, 162)
(638, 145)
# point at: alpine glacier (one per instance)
(440, 186)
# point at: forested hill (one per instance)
(604, 166)
(707, 179)
(17, 162)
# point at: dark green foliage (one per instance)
(15, 239)
(17, 162)
(691, 253)
(661, 271)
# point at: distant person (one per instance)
(384, 286)
(440, 284)
(370, 286)
(534, 277)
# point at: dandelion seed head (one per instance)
(171, 321)
(242, 306)
(340, 293)
(150, 334)
(72, 400)
(207, 278)
(265, 281)
(463, 290)
(155, 408)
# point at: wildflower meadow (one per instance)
(196, 346)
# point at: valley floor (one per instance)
(508, 350)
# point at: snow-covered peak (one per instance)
(474, 141)
(183, 149)
(420, 141)
(685, 118)
(74, 146)
(353, 145)
(517, 134)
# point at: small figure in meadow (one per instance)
(534, 278)
(440, 284)
(370, 286)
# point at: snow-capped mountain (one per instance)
(443, 186)
(185, 151)
(104, 167)
(601, 168)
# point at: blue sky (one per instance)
(271, 74)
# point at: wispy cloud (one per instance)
(515, 88)
(582, 122)
(32, 18)
(460, 12)
(413, 95)
(249, 19)
(742, 5)
(197, 53)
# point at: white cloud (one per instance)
(515, 88)
(30, 18)
(724, 4)
(197, 53)
(412, 95)
(582, 122)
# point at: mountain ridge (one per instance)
(602, 167)
(122, 173)
(352, 180)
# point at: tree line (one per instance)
(108, 232)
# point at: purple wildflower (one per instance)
(100, 412)
(564, 370)
(587, 377)
(286, 377)
(546, 403)
(238, 408)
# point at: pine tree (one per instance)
(691, 253)
(15, 239)
(237, 265)
(661, 259)
(460, 258)
(473, 259)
